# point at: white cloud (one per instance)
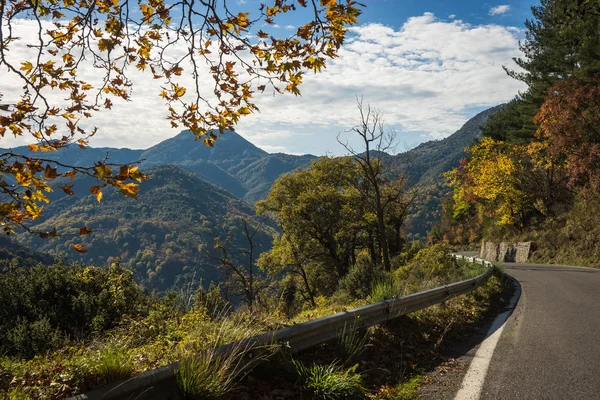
(499, 10)
(452, 16)
(426, 77)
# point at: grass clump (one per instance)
(331, 381)
(204, 377)
(113, 364)
(351, 342)
(216, 371)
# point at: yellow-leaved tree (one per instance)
(494, 179)
(170, 41)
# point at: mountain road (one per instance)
(550, 347)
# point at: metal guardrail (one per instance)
(309, 334)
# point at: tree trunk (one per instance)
(382, 238)
(309, 291)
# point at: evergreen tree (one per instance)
(562, 41)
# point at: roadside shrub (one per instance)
(361, 277)
(385, 289)
(431, 266)
(331, 381)
(410, 251)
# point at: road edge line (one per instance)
(474, 379)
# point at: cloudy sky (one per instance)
(427, 65)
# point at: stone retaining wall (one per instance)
(505, 251)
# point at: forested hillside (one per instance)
(14, 254)
(161, 236)
(536, 173)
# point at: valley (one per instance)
(197, 193)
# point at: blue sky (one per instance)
(394, 12)
(427, 66)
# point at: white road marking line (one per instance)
(475, 377)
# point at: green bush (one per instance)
(410, 251)
(331, 382)
(385, 289)
(361, 277)
(31, 338)
(43, 307)
(432, 266)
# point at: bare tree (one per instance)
(242, 275)
(383, 184)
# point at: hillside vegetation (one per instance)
(163, 235)
(160, 236)
(69, 329)
(535, 175)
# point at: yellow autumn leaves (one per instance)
(497, 180)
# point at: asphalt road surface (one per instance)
(550, 347)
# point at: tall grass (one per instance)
(216, 371)
(351, 342)
(113, 364)
(331, 381)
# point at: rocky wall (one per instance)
(505, 251)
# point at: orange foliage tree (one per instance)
(168, 40)
(569, 121)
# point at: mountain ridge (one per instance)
(234, 163)
(197, 193)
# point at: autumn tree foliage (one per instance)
(569, 121)
(170, 42)
(543, 149)
(492, 177)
